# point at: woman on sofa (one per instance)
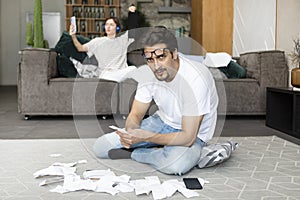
(110, 50)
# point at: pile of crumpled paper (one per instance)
(106, 181)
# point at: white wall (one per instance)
(10, 34)
(288, 24)
(254, 25)
(48, 6)
(288, 27)
(1, 17)
(13, 34)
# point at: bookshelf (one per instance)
(90, 15)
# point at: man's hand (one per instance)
(134, 136)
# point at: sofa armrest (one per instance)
(37, 64)
(33, 79)
(274, 69)
(268, 67)
(52, 66)
(251, 61)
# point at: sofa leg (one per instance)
(26, 117)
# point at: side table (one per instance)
(283, 110)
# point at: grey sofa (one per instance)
(42, 92)
(245, 96)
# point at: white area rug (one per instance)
(265, 168)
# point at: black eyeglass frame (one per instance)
(153, 52)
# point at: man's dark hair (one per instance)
(159, 34)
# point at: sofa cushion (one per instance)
(233, 70)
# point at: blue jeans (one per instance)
(167, 159)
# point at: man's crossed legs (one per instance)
(167, 159)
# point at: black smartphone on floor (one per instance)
(192, 183)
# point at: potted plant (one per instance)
(34, 32)
(29, 34)
(295, 59)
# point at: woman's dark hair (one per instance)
(159, 34)
(117, 22)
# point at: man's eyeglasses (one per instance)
(160, 55)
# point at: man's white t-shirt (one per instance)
(191, 93)
(111, 54)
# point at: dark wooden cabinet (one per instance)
(283, 110)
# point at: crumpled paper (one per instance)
(161, 191)
(106, 181)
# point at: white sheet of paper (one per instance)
(97, 174)
(154, 180)
(105, 184)
(202, 181)
(72, 164)
(82, 161)
(141, 186)
(169, 188)
(55, 171)
(158, 192)
(188, 193)
(110, 183)
(59, 189)
(51, 181)
(121, 179)
(122, 130)
(55, 155)
(180, 187)
(124, 187)
(144, 186)
(74, 183)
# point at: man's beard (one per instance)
(161, 74)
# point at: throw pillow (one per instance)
(65, 46)
(65, 49)
(65, 67)
(234, 70)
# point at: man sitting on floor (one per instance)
(173, 139)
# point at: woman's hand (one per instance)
(134, 136)
(72, 29)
